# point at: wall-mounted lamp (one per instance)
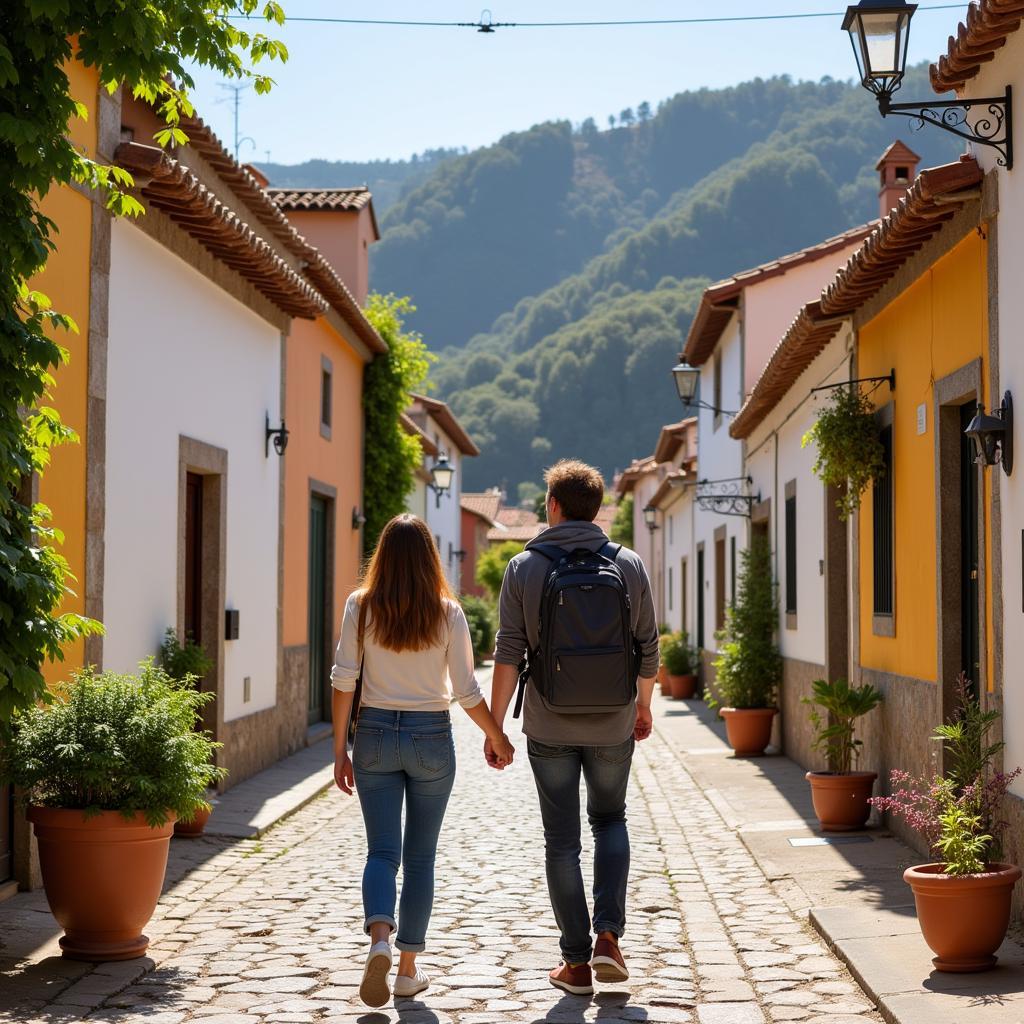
(651, 518)
(441, 475)
(358, 519)
(993, 435)
(460, 554)
(279, 435)
(687, 378)
(880, 33)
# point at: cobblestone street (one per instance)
(268, 930)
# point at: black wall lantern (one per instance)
(993, 435)
(279, 435)
(441, 475)
(880, 34)
(358, 519)
(651, 518)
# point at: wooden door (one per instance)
(194, 557)
(6, 833)
(318, 598)
(970, 638)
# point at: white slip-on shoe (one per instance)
(375, 990)
(406, 987)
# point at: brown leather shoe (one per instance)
(609, 967)
(576, 980)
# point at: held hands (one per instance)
(644, 723)
(343, 776)
(499, 754)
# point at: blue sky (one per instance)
(363, 92)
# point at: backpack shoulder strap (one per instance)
(552, 552)
(610, 550)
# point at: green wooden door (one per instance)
(317, 607)
(970, 632)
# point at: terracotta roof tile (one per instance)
(933, 199)
(426, 442)
(628, 478)
(671, 439)
(320, 199)
(441, 412)
(485, 505)
(988, 25)
(669, 487)
(720, 300)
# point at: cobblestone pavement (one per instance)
(268, 930)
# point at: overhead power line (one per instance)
(487, 25)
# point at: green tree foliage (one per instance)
(574, 300)
(147, 47)
(749, 666)
(391, 455)
(116, 743)
(480, 617)
(622, 524)
(492, 563)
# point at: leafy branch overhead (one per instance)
(850, 454)
(147, 47)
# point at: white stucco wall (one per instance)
(648, 544)
(678, 545)
(445, 520)
(185, 358)
(1007, 68)
(720, 457)
(775, 457)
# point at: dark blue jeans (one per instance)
(402, 756)
(605, 770)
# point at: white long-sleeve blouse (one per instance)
(427, 680)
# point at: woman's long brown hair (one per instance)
(404, 588)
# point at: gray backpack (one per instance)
(587, 660)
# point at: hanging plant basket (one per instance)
(850, 454)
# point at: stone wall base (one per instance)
(797, 733)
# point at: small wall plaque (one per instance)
(231, 624)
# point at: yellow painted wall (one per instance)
(935, 327)
(66, 281)
(336, 462)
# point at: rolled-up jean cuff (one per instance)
(410, 947)
(380, 919)
(617, 930)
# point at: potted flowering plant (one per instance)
(107, 766)
(840, 794)
(749, 667)
(664, 632)
(963, 897)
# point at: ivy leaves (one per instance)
(850, 454)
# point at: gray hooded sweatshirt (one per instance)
(519, 618)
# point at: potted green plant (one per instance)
(678, 658)
(748, 668)
(963, 898)
(187, 662)
(850, 455)
(106, 766)
(840, 794)
(480, 617)
(664, 630)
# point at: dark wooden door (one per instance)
(194, 557)
(317, 607)
(970, 639)
(700, 596)
(6, 833)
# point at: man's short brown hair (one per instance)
(577, 487)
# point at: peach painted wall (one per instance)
(474, 543)
(936, 326)
(344, 238)
(66, 281)
(336, 462)
(771, 305)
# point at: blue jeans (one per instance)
(402, 756)
(556, 770)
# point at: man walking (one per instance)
(578, 610)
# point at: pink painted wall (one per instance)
(344, 238)
(770, 306)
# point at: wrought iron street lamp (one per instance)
(651, 518)
(993, 435)
(279, 436)
(441, 475)
(687, 378)
(880, 34)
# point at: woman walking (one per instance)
(406, 635)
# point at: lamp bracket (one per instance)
(1006, 444)
(889, 378)
(986, 121)
(725, 497)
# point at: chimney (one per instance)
(897, 170)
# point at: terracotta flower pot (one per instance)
(194, 828)
(663, 682)
(841, 801)
(749, 730)
(682, 687)
(103, 877)
(963, 917)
